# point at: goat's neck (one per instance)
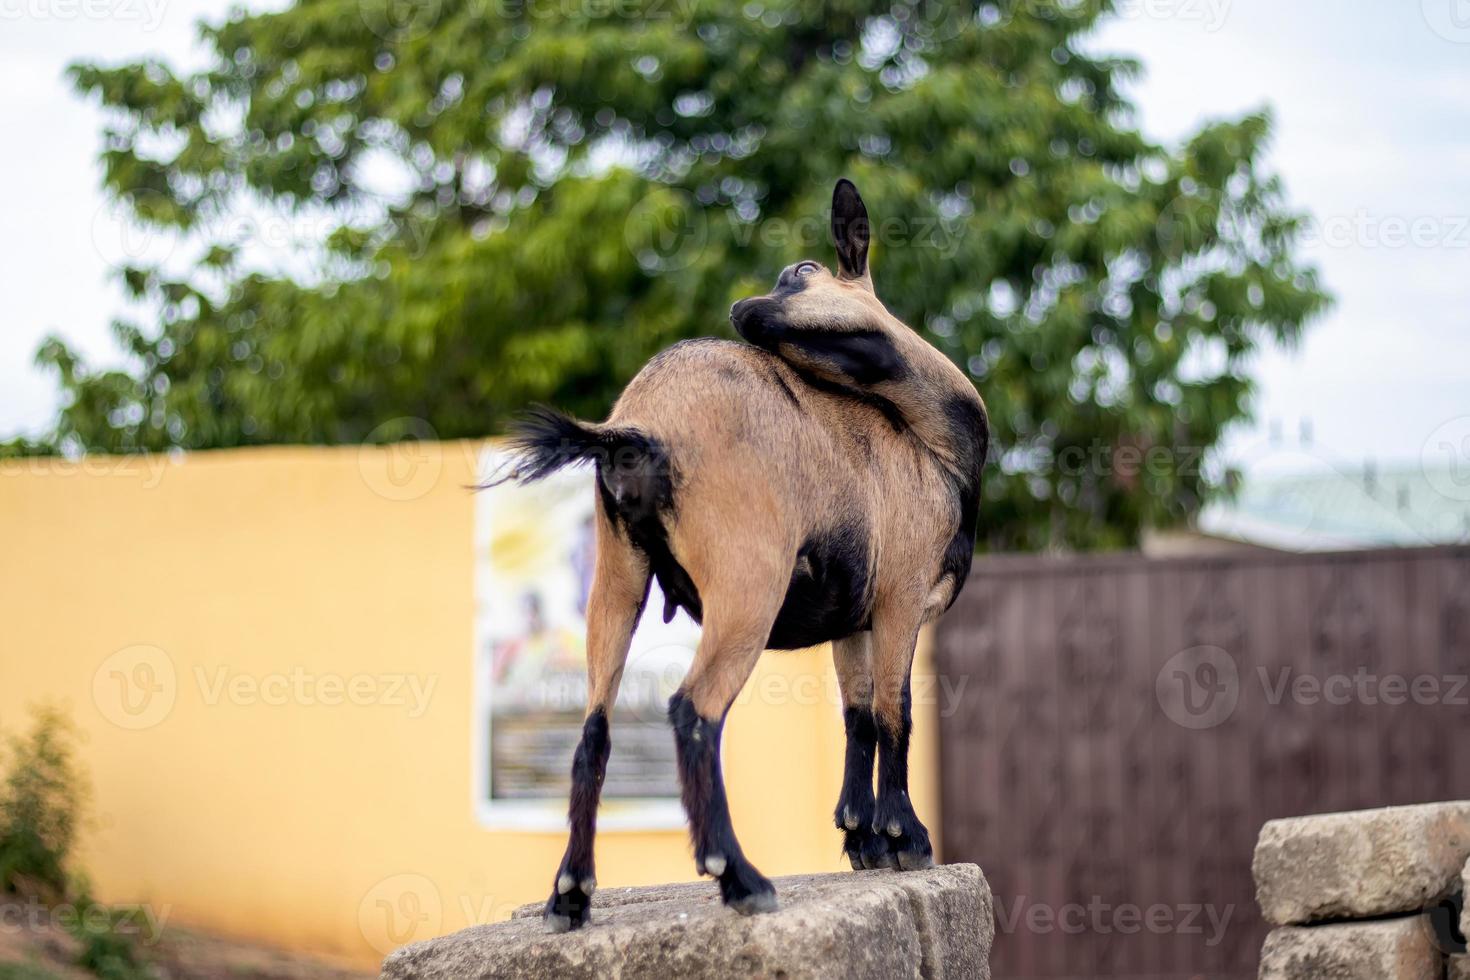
(937, 402)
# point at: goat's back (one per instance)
(781, 482)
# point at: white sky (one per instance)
(1372, 102)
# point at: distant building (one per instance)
(1403, 507)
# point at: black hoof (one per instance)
(905, 838)
(570, 905)
(756, 904)
(866, 850)
(746, 890)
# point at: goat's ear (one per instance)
(850, 230)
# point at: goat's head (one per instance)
(830, 325)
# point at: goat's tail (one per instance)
(544, 440)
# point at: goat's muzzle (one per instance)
(758, 319)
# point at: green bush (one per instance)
(25, 971)
(41, 801)
(108, 952)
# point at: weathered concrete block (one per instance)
(1362, 864)
(868, 924)
(1389, 949)
(1465, 908)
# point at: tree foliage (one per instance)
(522, 200)
(41, 800)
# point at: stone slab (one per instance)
(1362, 864)
(936, 923)
(1389, 949)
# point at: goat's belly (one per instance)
(830, 594)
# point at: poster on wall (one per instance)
(535, 550)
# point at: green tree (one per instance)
(523, 200)
(41, 800)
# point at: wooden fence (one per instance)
(1118, 729)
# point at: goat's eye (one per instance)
(807, 268)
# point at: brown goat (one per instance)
(819, 483)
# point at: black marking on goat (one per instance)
(831, 591)
(856, 805)
(702, 789)
(643, 523)
(865, 356)
(850, 231)
(761, 320)
(788, 283)
(780, 382)
(891, 413)
(969, 432)
(570, 906)
(635, 480)
(910, 846)
(544, 440)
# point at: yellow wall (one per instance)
(262, 812)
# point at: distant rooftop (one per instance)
(1371, 508)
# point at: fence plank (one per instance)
(1116, 826)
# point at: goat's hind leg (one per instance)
(852, 657)
(736, 625)
(894, 637)
(619, 586)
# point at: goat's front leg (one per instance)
(852, 656)
(894, 637)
